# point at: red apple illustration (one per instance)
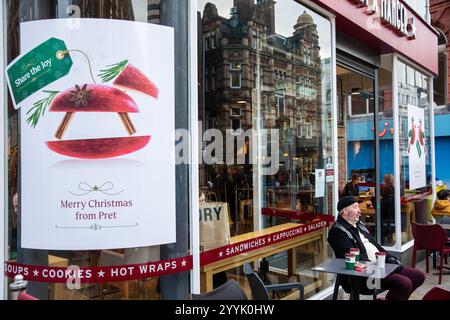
(99, 148)
(133, 79)
(95, 98)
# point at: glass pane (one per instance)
(415, 157)
(278, 173)
(19, 11)
(357, 146)
(386, 134)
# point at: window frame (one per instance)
(235, 71)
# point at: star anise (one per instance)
(80, 96)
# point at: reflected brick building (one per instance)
(248, 64)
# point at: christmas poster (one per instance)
(417, 150)
(97, 148)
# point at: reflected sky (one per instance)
(286, 15)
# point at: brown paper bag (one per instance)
(214, 225)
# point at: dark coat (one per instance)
(341, 244)
(351, 189)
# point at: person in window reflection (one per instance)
(387, 207)
(348, 232)
(341, 189)
(351, 188)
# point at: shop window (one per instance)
(94, 41)
(415, 162)
(266, 106)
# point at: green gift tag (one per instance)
(38, 68)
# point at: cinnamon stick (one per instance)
(63, 125)
(127, 123)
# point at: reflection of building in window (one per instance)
(254, 39)
(235, 116)
(304, 130)
(288, 68)
(279, 102)
(307, 130)
(210, 78)
(235, 75)
(440, 19)
(210, 40)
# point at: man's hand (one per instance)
(394, 260)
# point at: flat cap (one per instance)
(344, 202)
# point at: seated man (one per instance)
(348, 232)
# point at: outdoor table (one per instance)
(337, 266)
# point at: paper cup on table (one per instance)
(381, 259)
(355, 251)
(350, 261)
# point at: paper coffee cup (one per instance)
(350, 261)
(355, 251)
(381, 259)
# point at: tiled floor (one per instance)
(430, 281)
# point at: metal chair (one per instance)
(228, 291)
(260, 291)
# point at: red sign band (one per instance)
(263, 241)
(153, 269)
(98, 274)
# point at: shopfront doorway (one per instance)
(357, 145)
(365, 141)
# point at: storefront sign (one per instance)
(97, 145)
(33, 71)
(417, 150)
(263, 241)
(98, 274)
(393, 13)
